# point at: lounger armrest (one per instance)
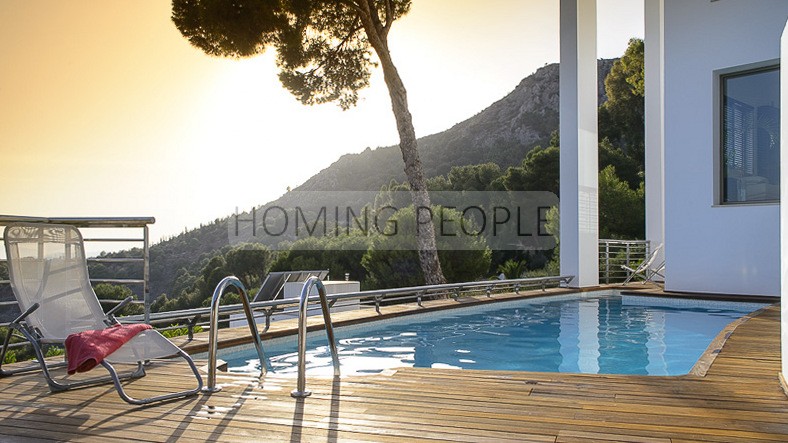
(111, 320)
(27, 312)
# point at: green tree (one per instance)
(512, 268)
(539, 171)
(626, 167)
(439, 183)
(249, 262)
(474, 177)
(106, 291)
(553, 227)
(622, 116)
(212, 273)
(339, 255)
(392, 261)
(184, 280)
(622, 211)
(324, 53)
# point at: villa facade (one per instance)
(713, 134)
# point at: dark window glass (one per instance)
(751, 136)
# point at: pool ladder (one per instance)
(301, 391)
(213, 338)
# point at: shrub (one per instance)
(178, 332)
(512, 268)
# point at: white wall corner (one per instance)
(654, 125)
(784, 207)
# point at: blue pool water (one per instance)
(598, 333)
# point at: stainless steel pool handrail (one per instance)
(213, 337)
(300, 391)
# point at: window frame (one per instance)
(719, 108)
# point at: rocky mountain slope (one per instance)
(503, 133)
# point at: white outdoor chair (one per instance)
(49, 278)
(645, 270)
(658, 270)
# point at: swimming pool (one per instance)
(596, 333)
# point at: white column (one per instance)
(579, 139)
(655, 127)
(784, 204)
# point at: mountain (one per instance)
(502, 133)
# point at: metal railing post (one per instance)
(629, 260)
(146, 272)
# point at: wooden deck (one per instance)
(739, 399)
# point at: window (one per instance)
(751, 136)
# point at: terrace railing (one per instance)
(118, 230)
(289, 307)
(614, 253)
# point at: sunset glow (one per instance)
(107, 110)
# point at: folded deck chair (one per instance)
(645, 269)
(49, 278)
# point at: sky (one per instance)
(106, 110)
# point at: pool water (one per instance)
(595, 334)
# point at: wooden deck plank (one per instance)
(738, 399)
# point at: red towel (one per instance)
(86, 349)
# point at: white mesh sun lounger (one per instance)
(49, 278)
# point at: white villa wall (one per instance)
(784, 211)
(711, 248)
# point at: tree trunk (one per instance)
(425, 238)
(425, 232)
